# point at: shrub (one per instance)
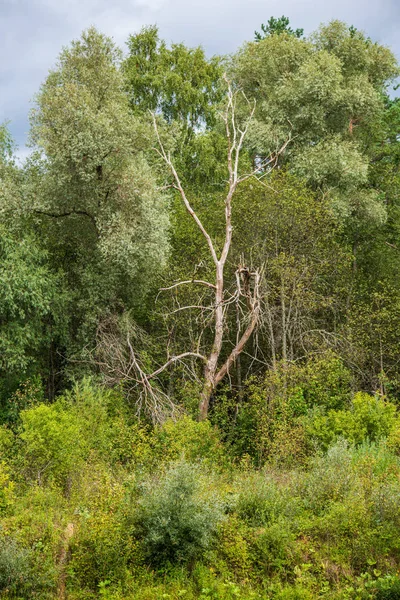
(59, 437)
(14, 566)
(369, 418)
(174, 522)
(19, 576)
(262, 501)
(129, 443)
(295, 593)
(37, 523)
(393, 440)
(100, 547)
(388, 589)
(279, 404)
(233, 546)
(53, 442)
(188, 439)
(6, 440)
(385, 500)
(330, 478)
(375, 463)
(99, 551)
(273, 549)
(6, 488)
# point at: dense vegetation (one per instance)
(200, 306)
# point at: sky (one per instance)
(32, 32)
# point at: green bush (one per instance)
(15, 564)
(388, 589)
(6, 488)
(58, 438)
(188, 439)
(368, 418)
(277, 407)
(329, 479)
(20, 575)
(173, 520)
(233, 547)
(129, 443)
(53, 442)
(273, 549)
(100, 547)
(261, 500)
(99, 551)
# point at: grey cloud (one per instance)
(32, 32)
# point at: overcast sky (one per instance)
(32, 32)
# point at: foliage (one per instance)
(327, 91)
(7, 145)
(93, 192)
(6, 488)
(294, 237)
(277, 27)
(173, 521)
(214, 530)
(27, 287)
(179, 82)
(190, 440)
(57, 438)
(52, 441)
(100, 549)
(19, 576)
(274, 419)
(368, 418)
(14, 567)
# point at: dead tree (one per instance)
(247, 282)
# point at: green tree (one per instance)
(174, 523)
(276, 26)
(179, 82)
(327, 93)
(7, 145)
(27, 284)
(296, 241)
(91, 189)
(26, 291)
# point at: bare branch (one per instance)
(198, 281)
(255, 314)
(246, 297)
(179, 187)
(119, 363)
(175, 359)
(271, 162)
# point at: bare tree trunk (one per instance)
(238, 361)
(211, 366)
